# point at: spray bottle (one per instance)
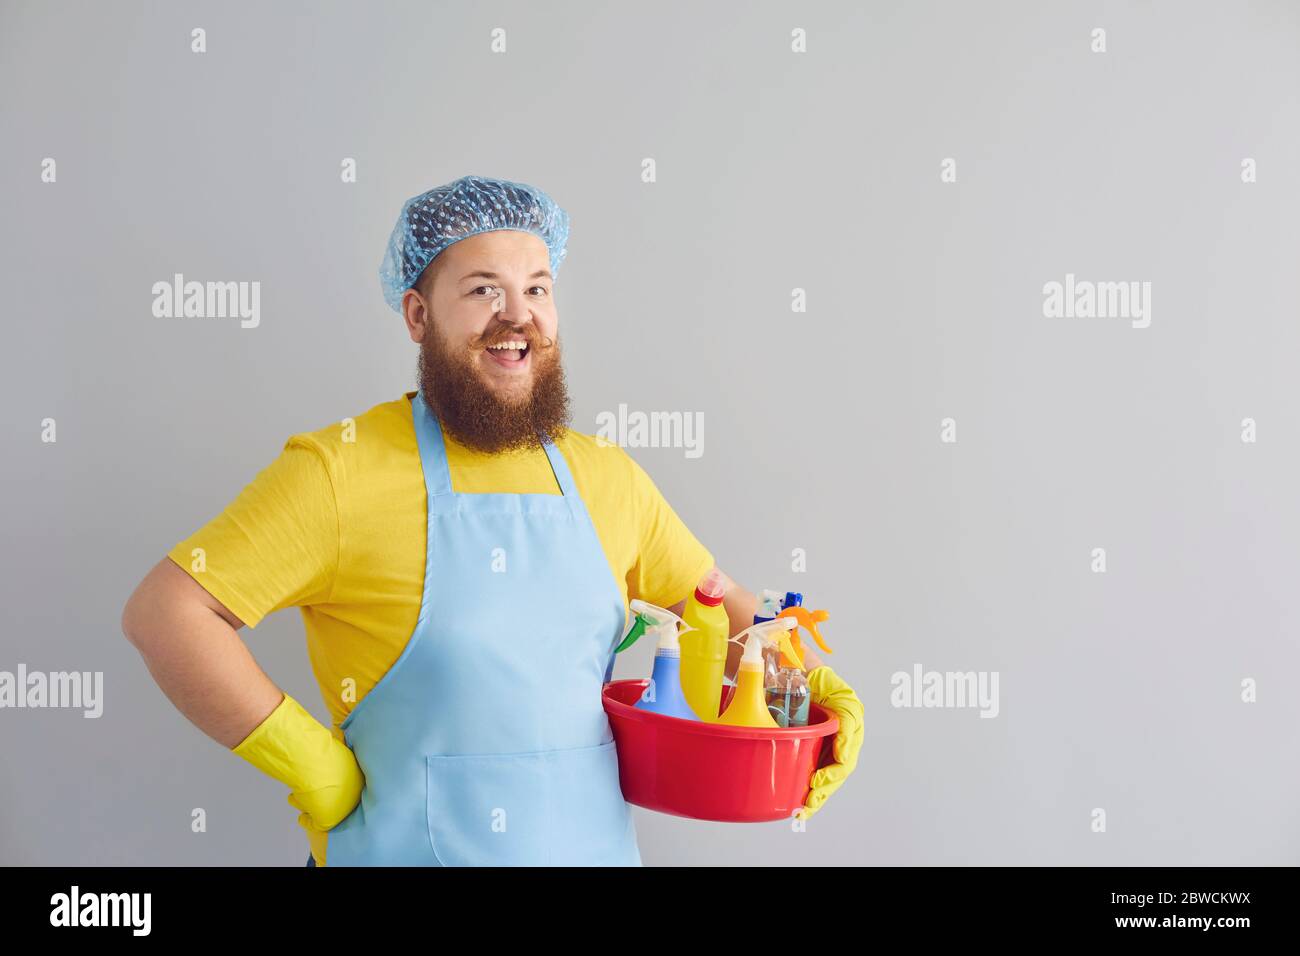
(768, 607)
(663, 695)
(704, 650)
(792, 606)
(748, 707)
(786, 685)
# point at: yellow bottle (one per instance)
(704, 650)
(748, 706)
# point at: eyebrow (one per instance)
(539, 274)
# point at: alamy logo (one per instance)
(208, 300)
(102, 909)
(652, 430)
(57, 689)
(1100, 300)
(946, 689)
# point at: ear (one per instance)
(416, 314)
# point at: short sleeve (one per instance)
(670, 559)
(276, 545)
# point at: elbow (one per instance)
(146, 607)
(132, 617)
(142, 612)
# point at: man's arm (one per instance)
(189, 643)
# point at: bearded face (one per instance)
(495, 411)
(485, 318)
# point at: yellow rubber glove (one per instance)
(830, 692)
(320, 770)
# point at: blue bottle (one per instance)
(663, 695)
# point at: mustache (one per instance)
(510, 333)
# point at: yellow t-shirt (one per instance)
(337, 525)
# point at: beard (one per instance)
(485, 418)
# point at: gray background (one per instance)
(775, 171)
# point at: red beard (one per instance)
(473, 412)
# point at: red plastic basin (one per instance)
(710, 772)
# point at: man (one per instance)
(463, 562)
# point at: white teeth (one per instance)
(509, 345)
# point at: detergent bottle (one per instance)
(748, 707)
(663, 695)
(704, 650)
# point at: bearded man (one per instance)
(463, 562)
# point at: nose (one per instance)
(512, 309)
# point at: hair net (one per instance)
(432, 221)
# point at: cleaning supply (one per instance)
(702, 771)
(787, 688)
(639, 624)
(787, 695)
(663, 695)
(808, 620)
(704, 649)
(748, 707)
(768, 607)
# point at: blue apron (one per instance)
(486, 743)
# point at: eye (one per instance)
(541, 287)
(489, 289)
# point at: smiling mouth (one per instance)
(512, 354)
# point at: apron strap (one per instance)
(433, 455)
(433, 452)
(561, 468)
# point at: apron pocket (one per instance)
(550, 808)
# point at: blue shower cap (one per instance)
(432, 221)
